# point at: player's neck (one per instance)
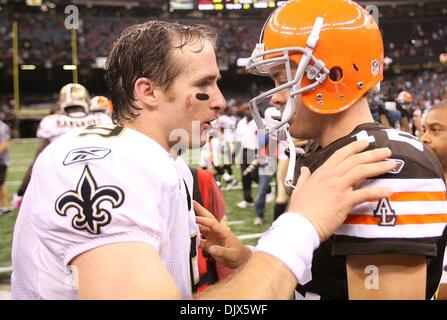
(150, 128)
(339, 125)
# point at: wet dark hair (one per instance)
(147, 51)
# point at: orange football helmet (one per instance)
(404, 98)
(100, 104)
(335, 46)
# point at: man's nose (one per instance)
(426, 138)
(279, 99)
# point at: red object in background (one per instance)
(213, 200)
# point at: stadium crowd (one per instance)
(44, 39)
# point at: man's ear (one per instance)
(145, 92)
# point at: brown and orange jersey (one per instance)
(411, 221)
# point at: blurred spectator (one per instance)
(435, 136)
(227, 124)
(5, 137)
(247, 145)
(435, 132)
(208, 194)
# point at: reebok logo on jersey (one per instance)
(84, 154)
(399, 166)
(87, 203)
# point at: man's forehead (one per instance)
(438, 115)
(192, 48)
(206, 71)
(197, 57)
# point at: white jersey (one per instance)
(228, 126)
(55, 125)
(246, 133)
(97, 186)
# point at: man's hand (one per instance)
(219, 241)
(327, 196)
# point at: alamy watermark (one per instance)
(72, 20)
(374, 12)
(372, 280)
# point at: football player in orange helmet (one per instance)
(324, 57)
(100, 104)
(323, 61)
(101, 107)
(404, 100)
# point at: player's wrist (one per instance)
(292, 239)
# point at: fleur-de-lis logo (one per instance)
(87, 200)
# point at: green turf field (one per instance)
(22, 153)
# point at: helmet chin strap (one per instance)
(288, 181)
(290, 107)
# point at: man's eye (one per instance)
(281, 82)
(204, 83)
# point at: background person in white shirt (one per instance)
(246, 130)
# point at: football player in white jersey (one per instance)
(227, 123)
(74, 101)
(74, 113)
(109, 213)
